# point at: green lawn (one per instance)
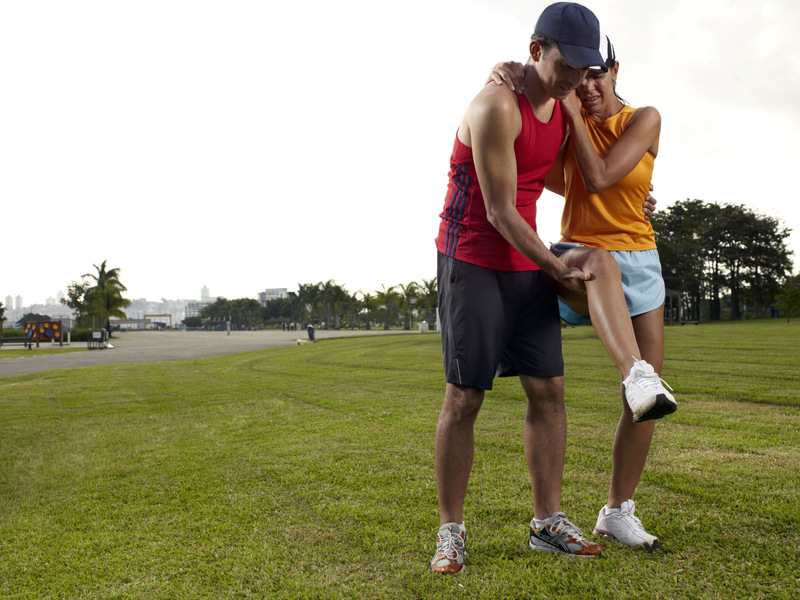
(307, 472)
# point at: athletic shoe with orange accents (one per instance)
(451, 542)
(558, 534)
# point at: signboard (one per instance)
(43, 330)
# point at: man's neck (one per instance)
(540, 100)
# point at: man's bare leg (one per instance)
(455, 449)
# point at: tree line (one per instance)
(327, 305)
(717, 261)
(721, 258)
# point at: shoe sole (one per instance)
(651, 547)
(463, 568)
(662, 407)
(453, 573)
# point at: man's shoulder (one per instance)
(495, 103)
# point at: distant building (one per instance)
(193, 308)
(18, 304)
(9, 303)
(272, 294)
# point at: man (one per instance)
(497, 280)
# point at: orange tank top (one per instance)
(613, 218)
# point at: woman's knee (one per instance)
(601, 262)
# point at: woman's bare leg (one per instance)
(605, 302)
(632, 440)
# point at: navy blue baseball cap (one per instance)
(576, 31)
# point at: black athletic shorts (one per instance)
(497, 322)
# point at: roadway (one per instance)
(158, 346)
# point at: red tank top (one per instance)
(464, 231)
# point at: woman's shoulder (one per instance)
(647, 113)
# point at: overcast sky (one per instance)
(245, 145)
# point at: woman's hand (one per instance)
(510, 73)
(649, 205)
(572, 104)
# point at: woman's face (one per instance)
(596, 91)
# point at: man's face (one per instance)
(558, 78)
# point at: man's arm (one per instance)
(492, 125)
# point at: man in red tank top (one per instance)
(497, 281)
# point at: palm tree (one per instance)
(333, 297)
(104, 275)
(2, 317)
(352, 312)
(292, 305)
(428, 299)
(389, 301)
(105, 299)
(308, 294)
(369, 304)
(408, 298)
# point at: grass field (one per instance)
(307, 472)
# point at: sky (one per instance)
(245, 145)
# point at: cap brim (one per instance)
(581, 57)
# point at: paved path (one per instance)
(157, 346)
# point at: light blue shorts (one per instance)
(642, 282)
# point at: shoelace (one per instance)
(647, 377)
(565, 526)
(450, 542)
(628, 514)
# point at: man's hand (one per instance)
(574, 280)
(510, 73)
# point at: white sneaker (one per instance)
(624, 527)
(646, 396)
(451, 541)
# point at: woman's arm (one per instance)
(600, 172)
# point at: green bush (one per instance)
(13, 332)
(80, 335)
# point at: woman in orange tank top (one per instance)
(602, 167)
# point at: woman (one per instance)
(604, 171)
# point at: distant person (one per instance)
(606, 169)
(497, 281)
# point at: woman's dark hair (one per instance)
(620, 98)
